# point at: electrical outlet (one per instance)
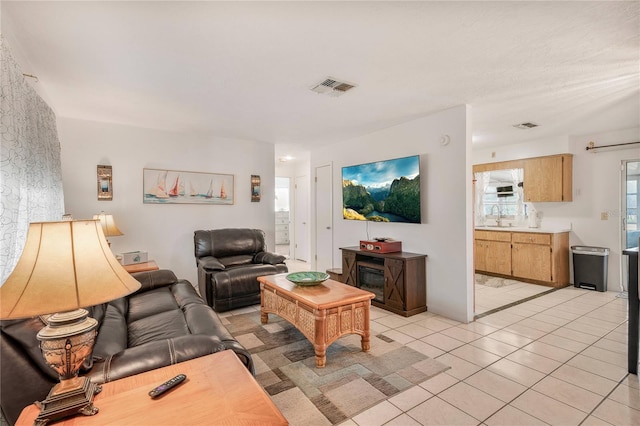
(493, 154)
(604, 216)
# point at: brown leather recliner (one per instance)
(229, 262)
(163, 323)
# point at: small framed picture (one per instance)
(105, 183)
(255, 188)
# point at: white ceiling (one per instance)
(243, 69)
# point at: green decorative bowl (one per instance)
(307, 278)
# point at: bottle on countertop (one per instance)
(533, 217)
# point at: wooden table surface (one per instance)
(141, 267)
(328, 294)
(218, 390)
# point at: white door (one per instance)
(301, 247)
(324, 219)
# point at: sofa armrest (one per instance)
(243, 354)
(210, 263)
(151, 280)
(267, 258)
(153, 355)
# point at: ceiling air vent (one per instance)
(525, 125)
(332, 87)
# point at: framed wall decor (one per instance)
(180, 187)
(105, 183)
(255, 188)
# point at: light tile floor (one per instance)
(488, 298)
(558, 359)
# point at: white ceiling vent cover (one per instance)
(525, 126)
(332, 87)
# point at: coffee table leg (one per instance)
(321, 355)
(319, 343)
(264, 317)
(365, 341)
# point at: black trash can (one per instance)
(590, 267)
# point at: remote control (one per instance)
(169, 384)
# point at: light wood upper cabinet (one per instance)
(548, 178)
(545, 178)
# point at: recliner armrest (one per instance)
(210, 263)
(268, 258)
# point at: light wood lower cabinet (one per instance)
(493, 256)
(531, 261)
(542, 258)
(493, 252)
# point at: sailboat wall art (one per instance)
(180, 187)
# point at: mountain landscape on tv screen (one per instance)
(395, 202)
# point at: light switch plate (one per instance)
(604, 216)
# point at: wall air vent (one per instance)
(332, 87)
(525, 126)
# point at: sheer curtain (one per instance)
(518, 176)
(482, 183)
(30, 170)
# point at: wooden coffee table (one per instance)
(323, 312)
(218, 390)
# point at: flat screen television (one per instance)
(384, 191)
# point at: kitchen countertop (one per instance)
(541, 230)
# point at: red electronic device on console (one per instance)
(381, 245)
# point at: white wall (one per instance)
(596, 189)
(165, 231)
(445, 235)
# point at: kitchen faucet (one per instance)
(499, 219)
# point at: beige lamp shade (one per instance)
(64, 266)
(109, 226)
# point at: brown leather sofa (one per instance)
(163, 323)
(229, 262)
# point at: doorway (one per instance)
(283, 218)
(498, 196)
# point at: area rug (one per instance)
(351, 381)
(495, 282)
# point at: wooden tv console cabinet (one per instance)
(398, 279)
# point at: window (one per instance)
(508, 205)
(632, 203)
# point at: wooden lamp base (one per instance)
(75, 398)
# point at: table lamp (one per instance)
(109, 227)
(64, 267)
